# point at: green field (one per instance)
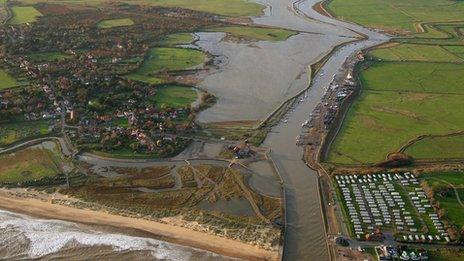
(256, 33)
(445, 194)
(12, 132)
(414, 77)
(446, 254)
(176, 39)
(24, 14)
(164, 59)
(400, 101)
(220, 7)
(438, 148)
(104, 24)
(417, 52)
(47, 56)
(174, 96)
(399, 15)
(29, 164)
(7, 81)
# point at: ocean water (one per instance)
(23, 237)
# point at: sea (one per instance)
(27, 238)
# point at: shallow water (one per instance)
(238, 207)
(24, 237)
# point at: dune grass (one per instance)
(29, 164)
(24, 14)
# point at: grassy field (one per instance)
(166, 59)
(48, 56)
(399, 15)
(115, 23)
(174, 96)
(176, 39)
(24, 14)
(446, 254)
(400, 101)
(256, 33)
(220, 7)
(418, 52)
(12, 132)
(438, 148)
(29, 164)
(7, 81)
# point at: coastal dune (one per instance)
(169, 233)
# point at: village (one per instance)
(75, 75)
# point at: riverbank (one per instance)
(165, 232)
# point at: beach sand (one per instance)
(165, 232)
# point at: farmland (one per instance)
(174, 96)
(400, 101)
(164, 59)
(115, 23)
(411, 86)
(6, 80)
(24, 14)
(220, 7)
(397, 15)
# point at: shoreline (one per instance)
(169, 233)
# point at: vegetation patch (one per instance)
(256, 33)
(104, 24)
(416, 52)
(24, 14)
(438, 148)
(177, 39)
(30, 164)
(12, 132)
(400, 101)
(164, 59)
(174, 96)
(7, 81)
(48, 56)
(398, 15)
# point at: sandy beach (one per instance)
(169, 233)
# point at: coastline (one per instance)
(165, 232)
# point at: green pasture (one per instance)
(256, 33)
(165, 59)
(416, 52)
(176, 39)
(397, 14)
(396, 106)
(220, 7)
(29, 164)
(24, 14)
(456, 50)
(174, 96)
(7, 81)
(104, 24)
(414, 77)
(12, 132)
(455, 178)
(438, 34)
(47, 56)
(438, 148)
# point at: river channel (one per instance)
(253, 82)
